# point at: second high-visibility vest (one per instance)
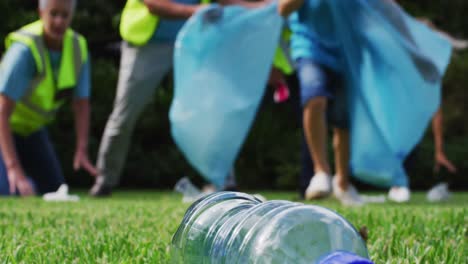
(137, 24)
(282, 59)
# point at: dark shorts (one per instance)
(318, 81)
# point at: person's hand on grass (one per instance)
(18, 181)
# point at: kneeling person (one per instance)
(46, 62)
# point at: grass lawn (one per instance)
(136, 227)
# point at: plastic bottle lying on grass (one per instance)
(230, 227)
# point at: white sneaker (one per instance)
(348, 197)
(399, 194)
(319, 186)
(438, 193)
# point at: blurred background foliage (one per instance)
(270, 158)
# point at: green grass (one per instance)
(136, 227)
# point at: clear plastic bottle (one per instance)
(235, 228)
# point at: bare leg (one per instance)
(341, 151)
(342, 188)
(315, 130)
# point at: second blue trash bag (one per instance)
(394, 67)
(222, 60)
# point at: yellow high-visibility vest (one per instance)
(137, 24)
(44, 95)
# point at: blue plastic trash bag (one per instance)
(222, 60)
(394, 66)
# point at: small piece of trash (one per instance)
(61, 195)
(189, 191)
(373, 198)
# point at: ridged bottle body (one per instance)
(235, 228)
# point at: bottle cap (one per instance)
(344, 257)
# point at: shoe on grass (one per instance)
(99, 189)
(399, 194)
(348, 197)
(438, 193)
(319, 186)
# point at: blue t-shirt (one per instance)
(167, 29)
(18, 69)
(313, 34)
